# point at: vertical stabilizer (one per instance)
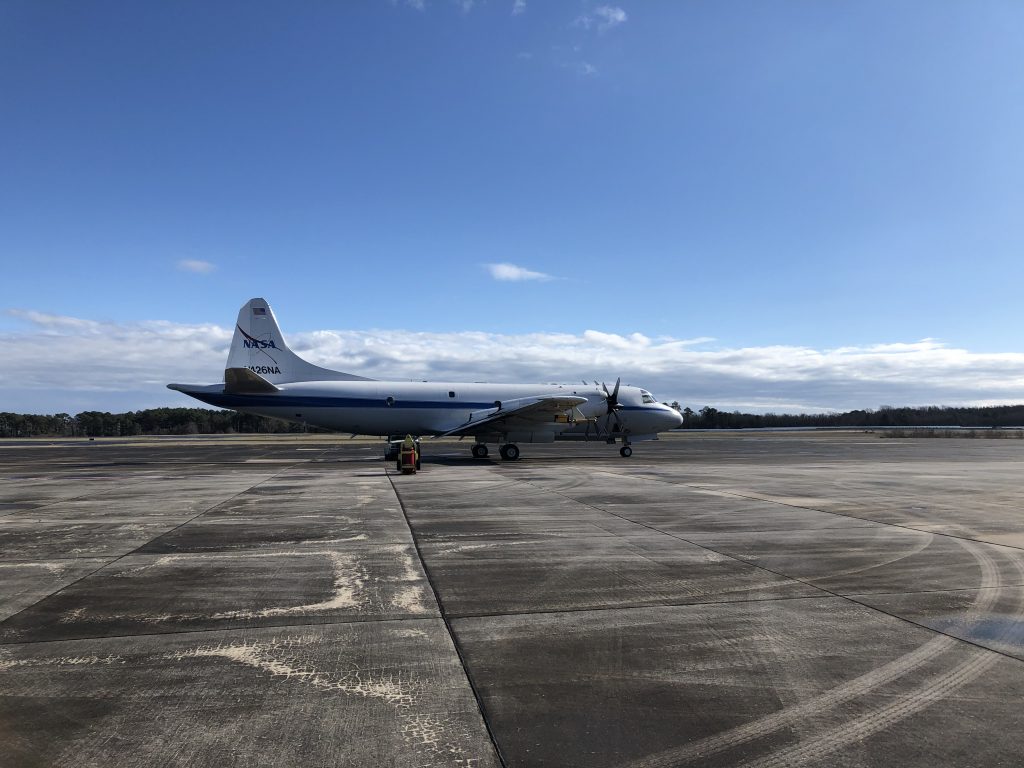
(259, 346)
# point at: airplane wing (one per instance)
(520, 414)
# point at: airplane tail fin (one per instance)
(259, 346)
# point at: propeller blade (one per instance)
(612, 398)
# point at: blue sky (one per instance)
(763, 176)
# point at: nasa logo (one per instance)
(251, 342)
(265, 369)
(258, 344)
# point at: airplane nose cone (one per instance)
(673, 418)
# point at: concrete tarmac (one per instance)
(755, 599)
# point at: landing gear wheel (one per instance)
(479, 451)
(625, 451)
(509, 452)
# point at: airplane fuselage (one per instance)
(430, 408)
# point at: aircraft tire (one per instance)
(511, 452)
(479, 451)
(625, 451)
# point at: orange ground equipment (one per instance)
(409, 456)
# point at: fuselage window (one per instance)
(451, 394)
(390, 401)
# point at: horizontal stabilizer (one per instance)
(242, 381)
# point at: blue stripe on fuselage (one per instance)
(223, 400)
(307, 401)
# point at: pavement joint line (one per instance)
(884, 612)
(815, 509)
(636, 607)
(16, 560)
(815, 586)
(785, 530)
(116, 487)
(933, 591)
(963, 640)
(693, 543)
(503, 614)
(609, 533)
(242, 551)
(448, 626)
(207, 630)
(136, 549)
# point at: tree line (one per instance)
(885, 416)
(204, 421)
(154, 421)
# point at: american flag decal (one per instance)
(259, 310)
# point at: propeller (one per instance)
(612, 397)
(613, 406)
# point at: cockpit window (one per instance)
(647, 397)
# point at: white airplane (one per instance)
(264, 377)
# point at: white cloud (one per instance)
(616, 341)
(56, 323)
(69, 364)
(580, 67)
(602, 18)
(197, 266)
(518, 7)
(609, 16)
(511, 272)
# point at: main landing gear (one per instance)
(509, 451)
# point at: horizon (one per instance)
(696, 411)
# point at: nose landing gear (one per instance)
(625, 451)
